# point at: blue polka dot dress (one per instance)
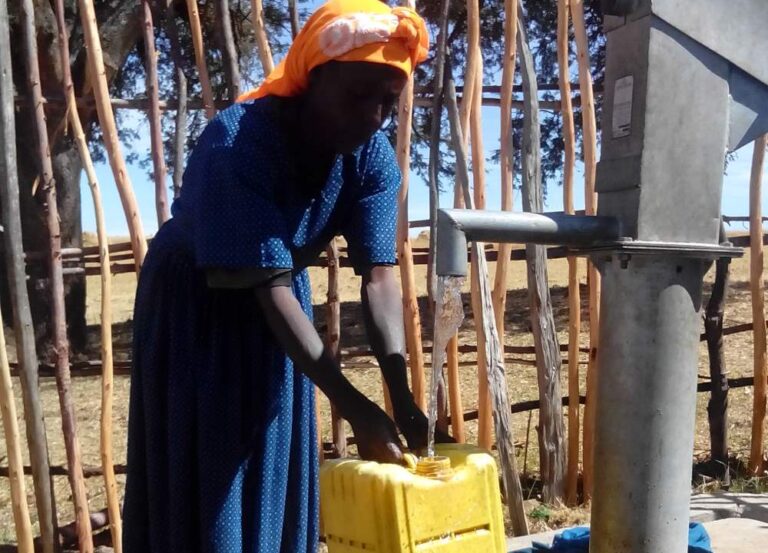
(222, 449)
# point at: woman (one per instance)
(222, 446)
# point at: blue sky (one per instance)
(735, 187)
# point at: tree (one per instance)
(118, 21)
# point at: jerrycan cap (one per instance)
(436, 468)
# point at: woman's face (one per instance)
(349, 101)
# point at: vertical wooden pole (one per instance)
(231, 66)
(506, 158)
(474, 61)
(265, 54)
(110, 483)
(484, 421)
(552, 458)
(13, 447)
(589, 133)
(109, 131)
(574, 297)
(333, 329)
(58, 312)
(180, 132)
(37, 442)
(452, 351)
(293, 13)
(454, 391)
(202, 66)
(717, 407)
(107, 464)
(319, 427)
(434, 185)
(155, 128)
(471, 118)
(757, 288)
(388, 409)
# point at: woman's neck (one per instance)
(300, 124)
(308, 150)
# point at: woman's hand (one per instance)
(375, 434)
(414, 425)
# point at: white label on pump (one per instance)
(622, 106)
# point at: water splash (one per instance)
(449, 313)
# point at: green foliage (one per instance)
(541, 513)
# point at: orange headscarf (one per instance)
(348, 30)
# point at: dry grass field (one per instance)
(521, 380)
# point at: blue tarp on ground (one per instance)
(576, 540)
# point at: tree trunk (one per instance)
(66, 167)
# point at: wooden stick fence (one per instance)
(454, 393)
(506, 158)
(107, 463)
(471, 123)
(757, 289)
(471, 415)
(19, 505)
(265, 53)
(180, 130)
(37, 442)
(155, 128)
(58, 311)
(202, 66)
(411, 316)
(552, 460)
(420, 101)
(495, 371)
(465, 122)
(574, 294)
(228, 48)
(589, 133)
(109, 130)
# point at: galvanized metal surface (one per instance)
(735, 29)
(683, 85)
(457, 226)
(662, 174)
(646, 404)
(748, 108)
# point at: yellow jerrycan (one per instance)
(447, 504)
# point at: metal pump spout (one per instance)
(455, 227)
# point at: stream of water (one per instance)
(448, 317)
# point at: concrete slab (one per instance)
(705, 508)
(730, 535)
(738, 535)
(716, 506)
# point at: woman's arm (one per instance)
(383, 312)
(375, 434)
